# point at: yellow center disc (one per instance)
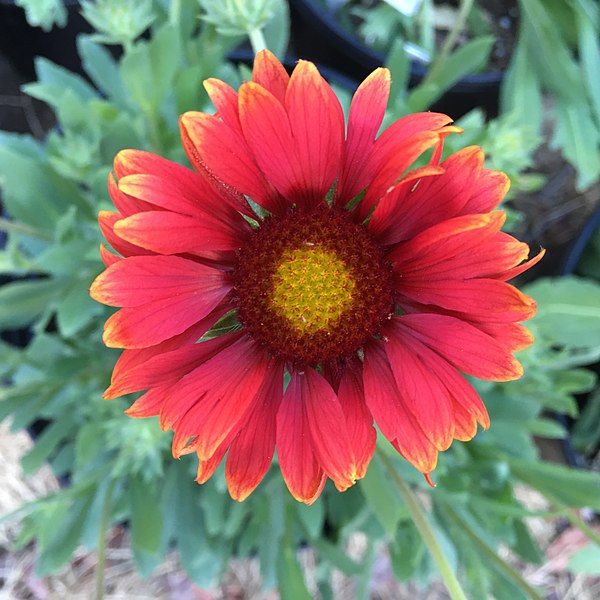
(312, 288)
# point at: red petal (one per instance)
(317, 125)
(167, 367)
(381, 393)
(396, 422)
(268, 133)
(210, 401)
(487, 192)
(199, 189)
(225, 153)
(140, 280)
(387, 220)
(108, 258)
(224, 97)
(437, 199)
(414, 446)
(299, 467)
(462, 344)
(149, 404)
(106, 221)
(441, 242)
(182, 192)
(395, 150)
(251, 452)
(366, 115)
(359, 421)
(391, 171)
(511, 273)
(130, 359)
(270, 74)
(124, 203)
(420, 388)
(171, 233)
(477, 299)
(327, 424)
(493, 255)
(513, 336)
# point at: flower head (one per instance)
(370, 287)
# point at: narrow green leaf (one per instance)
(382, 498)
(572, 487)
(102, 69)
(22, 301)
(146, 517)
(547, 428)
(290, 577)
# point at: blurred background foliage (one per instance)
(141, 67)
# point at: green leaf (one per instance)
(399, 65)
(572, 487)
(289, 576)
(65, 535)
(277, 29)
(199, 560)
(336, 556)
(589, 52)
(467, 59)
(525, 545)
(586, 561)
(381, 497)
(102, 69)
(47, 442)
(568, 310)
(76, 309)
(22, 301)
(44, 13)
(547, 428)
(521, 94)
(54, 81)
(586, 430)
(579, 138)
(407, 551)
(149, 69)
(146, 517)
(312, 517)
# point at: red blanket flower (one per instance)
(368, 287)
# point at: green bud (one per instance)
(238, 17)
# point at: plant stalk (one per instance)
(16, 227)
(257, 39)
(463, 12)
(427, 533)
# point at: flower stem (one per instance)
(16, 227)
(175, 12)
(257, 39)
(102, 540)
(427, 533)
(458, 25)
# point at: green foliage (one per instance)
(547, 60)
(238, 17)
(122, 467)
(44, 13)
(118, 21)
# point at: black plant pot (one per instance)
(21, 43)
(570, 267)
(317, 35)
